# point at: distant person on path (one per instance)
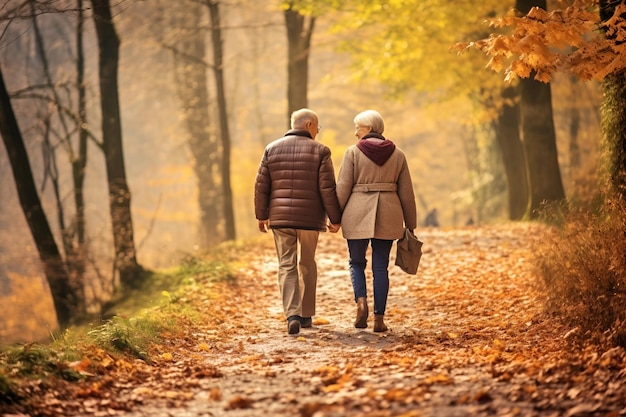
(432, 219)
(294, 192)
(375, 192)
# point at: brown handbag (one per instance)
(409, 252)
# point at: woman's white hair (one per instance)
(299, 118)
(370, 118)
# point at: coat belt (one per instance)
(376, 186)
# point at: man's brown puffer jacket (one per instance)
(295, 184)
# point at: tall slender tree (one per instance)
(74, 260)
(65, 296)
(218, 70)
(79, 163)
(186, 38)
(300, 29)
(119, 192)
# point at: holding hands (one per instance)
(264, 226)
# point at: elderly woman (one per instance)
(375, 192)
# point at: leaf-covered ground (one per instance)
(467, 337)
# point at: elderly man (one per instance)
(294, 194)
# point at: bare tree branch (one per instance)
(33, 8)
(68, 112)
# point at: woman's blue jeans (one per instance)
(380, 264)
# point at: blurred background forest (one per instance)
(431, 98)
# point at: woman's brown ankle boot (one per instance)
(361, 313)
(379, 324)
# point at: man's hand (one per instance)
(264, 225)
(333, 228)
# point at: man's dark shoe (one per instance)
(293, 325)
(306, 322)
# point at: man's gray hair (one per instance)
(299, 118)
(370, 118)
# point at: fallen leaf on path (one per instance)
(238, 402)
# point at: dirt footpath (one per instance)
(467, 337)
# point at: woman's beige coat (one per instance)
(377, 201)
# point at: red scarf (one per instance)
(379, 151)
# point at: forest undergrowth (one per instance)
(582, 263)
(478, 331)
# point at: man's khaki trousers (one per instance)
(297, 270)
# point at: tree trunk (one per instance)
(507, 134)
(119, 193)
(190, 70)
(218, 69)
(299, 41)
(74, 259)
(49, 151)
(575, 157)
(574, 146)
(538, 135)
(614, 123)
(544, 175)
(614, 115)
(79, 164)
(64, 295)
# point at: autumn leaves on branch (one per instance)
(573, 40)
